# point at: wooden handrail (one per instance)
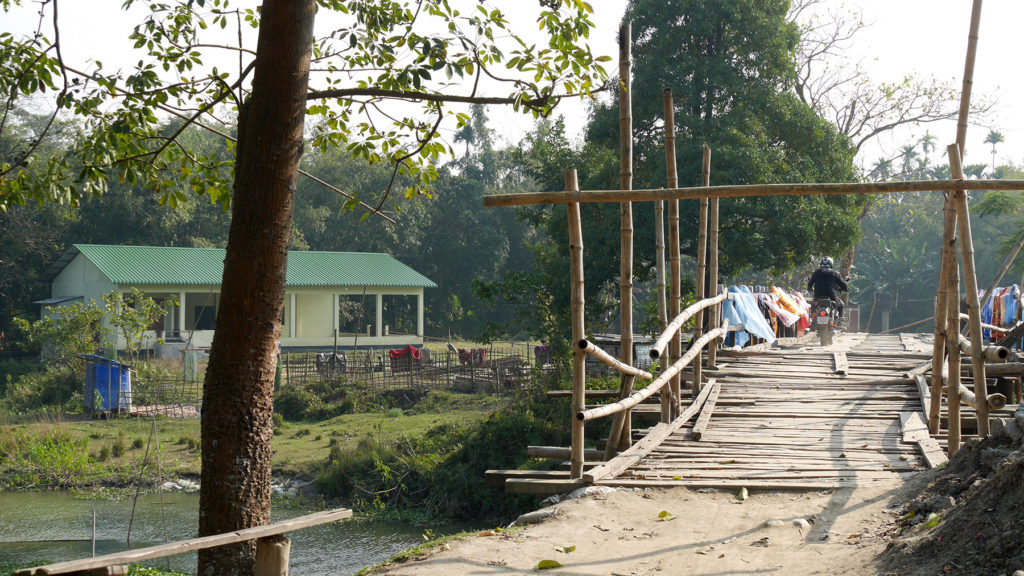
(741, 190)
(592, 350)
(183, 546)
(677, 323)
(641, 395)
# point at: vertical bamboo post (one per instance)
(702, 258)
(272, 556)
(579, 357)
(716, 312)
(659, 243)
(953, 356)
(675, 290)
(963, 217)
(965, 92)
(947, 262)
(626, 210)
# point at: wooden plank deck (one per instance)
(805, 417)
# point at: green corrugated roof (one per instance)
(152, 265)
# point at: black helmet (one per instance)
(826, 262)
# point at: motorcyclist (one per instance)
(827, 283)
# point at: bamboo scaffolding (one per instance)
(656, 385)
(607, 359)
(702, 257)
(579, 358)
(742, 190)
(963, 217)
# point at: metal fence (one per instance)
(491, 370)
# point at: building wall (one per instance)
(315, 309)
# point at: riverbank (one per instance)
(69, 451)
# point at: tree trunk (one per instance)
(238, 392)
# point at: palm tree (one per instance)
(994, 138)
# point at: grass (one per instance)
(299, 450)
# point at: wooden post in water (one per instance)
(963, 217)
(702, 257)
(953, 355)
(667, 403)
(579, 357)
(626, 210)
(675, 289)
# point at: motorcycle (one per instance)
(825, 318)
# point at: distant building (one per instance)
(365, 298)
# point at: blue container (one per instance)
(112, 380)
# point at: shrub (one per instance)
(297, 403)
(49, 458)
(138, 443)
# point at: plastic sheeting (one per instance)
(743, 309)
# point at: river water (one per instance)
(56, 526)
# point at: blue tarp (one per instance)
(111, 379)
(742, 309)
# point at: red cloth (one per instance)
(403, 352)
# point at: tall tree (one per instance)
(381, 51)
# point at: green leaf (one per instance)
(932, 521)
(565, 549)
(547, 565)
(665, 516)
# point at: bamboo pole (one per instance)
(671, 179)
(991, 327)
(947, 263)
(963, 216)
(992, 401)
(702, 259)
(751, 190)
(953, 357)
(622, 428)
(661, 381)
(965, 93)
(994, 354)
(716, 313)
(675, 290)
(607, 359)
(658, 348)
(579, 357)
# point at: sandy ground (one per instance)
(712, 533)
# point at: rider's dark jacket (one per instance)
(826, 283)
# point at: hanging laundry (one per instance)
(742, 309)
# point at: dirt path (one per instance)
(713, 533)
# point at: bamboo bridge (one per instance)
(868, 409)
(795, 416)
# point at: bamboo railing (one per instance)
(662, 380)
(272, 549)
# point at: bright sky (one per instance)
(926, 38)
(922, 37)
